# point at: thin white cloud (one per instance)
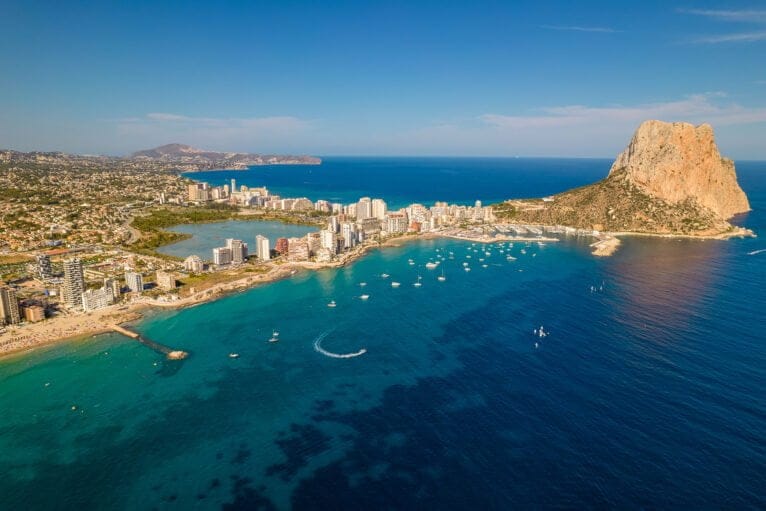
(753, 17)
(696, 108)
(746, 16)
(583, 130)
(576, 28)
(741, 37)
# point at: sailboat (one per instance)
(441, 278)
(417, 282)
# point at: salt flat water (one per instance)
(205, 237)
(648, 392)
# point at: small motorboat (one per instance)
(332, 304)
(395, 284)
(364, 297)
(233, 355)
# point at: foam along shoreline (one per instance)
(24, 338)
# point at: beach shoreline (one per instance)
(73, 327)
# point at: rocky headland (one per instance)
(670, 180)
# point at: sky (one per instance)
(448, 78)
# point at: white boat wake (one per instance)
(756, 251)
(318, 347)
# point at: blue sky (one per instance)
(536, 78)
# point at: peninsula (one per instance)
(191, 159)
(670, 180)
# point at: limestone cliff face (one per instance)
(671, 179)
(677, 162)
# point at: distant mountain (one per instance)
(168, 151)
(190, 158)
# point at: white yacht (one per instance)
(364, 297)
(332, 304)
(395, 284)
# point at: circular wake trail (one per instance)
(318, 347)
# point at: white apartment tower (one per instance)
(379, 209)
(221, 256)
(363, 208)
(238, 250)
(134, 281)
(348, 232)
(74, 283)
(329, 240)
(194, 263)
(262, 248)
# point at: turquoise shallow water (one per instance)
(648, 394)
(205, 237)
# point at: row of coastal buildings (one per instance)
(347, 225)
(73, 292)
(417, 216)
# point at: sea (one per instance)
(647, 391)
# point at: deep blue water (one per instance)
(400, 181)
(648, 394)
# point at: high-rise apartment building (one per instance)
(329, 240)
(9, 306)
(282, 246)
(166, 280)
(194, 263)
(238, 250)
(74, 283)
(93, 299)
(379, 209)
(363, 208)
(113, 287)
(134, 281)
(396, 222)
(262, 248)
(221, 256)
(348, 233)
(44, 268)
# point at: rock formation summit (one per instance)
(678, 161)
(671, 180)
